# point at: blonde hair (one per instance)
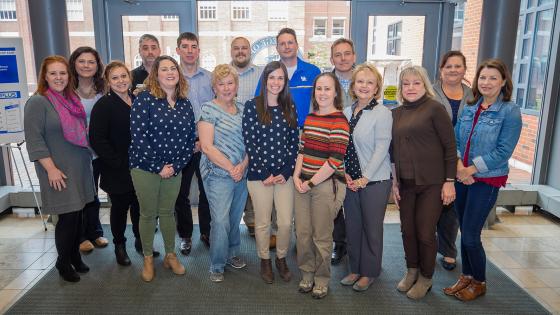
(366, 67)
(419, 72)
(115, 64)
(152, 83)
(222, 71)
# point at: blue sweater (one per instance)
(160, 134)
(301, 88)
(273, 148)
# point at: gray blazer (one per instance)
(440, 97)
(372, 139)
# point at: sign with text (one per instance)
(13, 90)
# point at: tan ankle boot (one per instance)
(472, 291)
(420, 288)
(148, 271)
(408, 281)
(171, 262)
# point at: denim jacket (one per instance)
(494, 138)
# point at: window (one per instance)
(207, 10)
(277, 11)
(170, 18)
(394, 32)
(373, 37)
(337, 27)
(240, 10)
(75, 10)
(320, 27)
(458, 23)
(137, 18)
(8, 10)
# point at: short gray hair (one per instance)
(147, 37)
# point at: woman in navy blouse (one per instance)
(271, 138)
(162, 142)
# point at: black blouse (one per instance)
(351, 159)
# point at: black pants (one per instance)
(66, 239)
(91, 226)
(339, 231)
(120, 203)
(183, 211)
(447, 229)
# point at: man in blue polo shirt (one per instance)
(301, 73)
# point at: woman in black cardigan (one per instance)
(109, 135)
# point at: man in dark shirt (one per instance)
(148, 48)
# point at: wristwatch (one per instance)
(450, 180)
(310, 184)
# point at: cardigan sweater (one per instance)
(423, 146)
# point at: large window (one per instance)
(338, 27)
(394, 32)
(207, 10)
(8, 10)
(75, 10)
(320, 26)
(241, 10)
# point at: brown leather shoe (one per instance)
(266, 271)
(148, 271)
(472, 291)
(86, 246)
(462, 283)
(171, 262)
(283, 270)
(272, 244)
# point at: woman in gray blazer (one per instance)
(453, 94)
(368, 172)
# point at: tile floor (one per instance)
(524, 245)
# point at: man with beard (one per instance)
(148, 48)
(249, 75)
(200, 92)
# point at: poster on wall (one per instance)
(13, 90)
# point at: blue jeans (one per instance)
(227, 200)
(473, 204)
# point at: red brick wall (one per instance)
(525, 150)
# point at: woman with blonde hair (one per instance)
(223, 169)
(368, 173)
(425, 158)
(162, 142)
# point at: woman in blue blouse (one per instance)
(223, 169)
(162, 143)
(368, 173)
(271, 138)
(487, 132)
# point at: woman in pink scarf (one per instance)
(56, 136)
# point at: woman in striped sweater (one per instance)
(319, 180)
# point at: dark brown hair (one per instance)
(454, 53)
(337, 89)
(43, 85)
(152, 83)
(286, 30)
(187, 36)
(284, 98)
(499, 65)
(342, 40)
(97, 77)
(110, 67)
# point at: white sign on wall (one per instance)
(13, 90)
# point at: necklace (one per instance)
(86, 92)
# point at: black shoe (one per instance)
(447, 265)
(138, 247)
(338, 254)
(67, 273)
(81, 267)
(186, 245)
(122, 255)
(204, 238)
(251, 229)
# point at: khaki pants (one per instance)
(315, 213)
(282, 196)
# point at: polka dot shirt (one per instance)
(160, 134)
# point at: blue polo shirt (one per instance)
(301, 88)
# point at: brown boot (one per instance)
(266, 271)
(283, 270)
(408, 281)
(171, 262)
(420, 288)
(462, 283)
(148, 271)
(472, 291)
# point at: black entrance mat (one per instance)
(110, 288)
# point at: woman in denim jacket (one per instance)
(487, 132)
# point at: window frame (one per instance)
(338, 18)
(10, 9)
(320, 18)
(239, 7)
(210, 7)
(394, 37)
(77, 9)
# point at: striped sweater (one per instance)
(324, 139)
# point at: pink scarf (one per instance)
(72, 117)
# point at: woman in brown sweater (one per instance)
(424, 159)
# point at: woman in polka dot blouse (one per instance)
(271, 138)
(223, 168)
(162, 142)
